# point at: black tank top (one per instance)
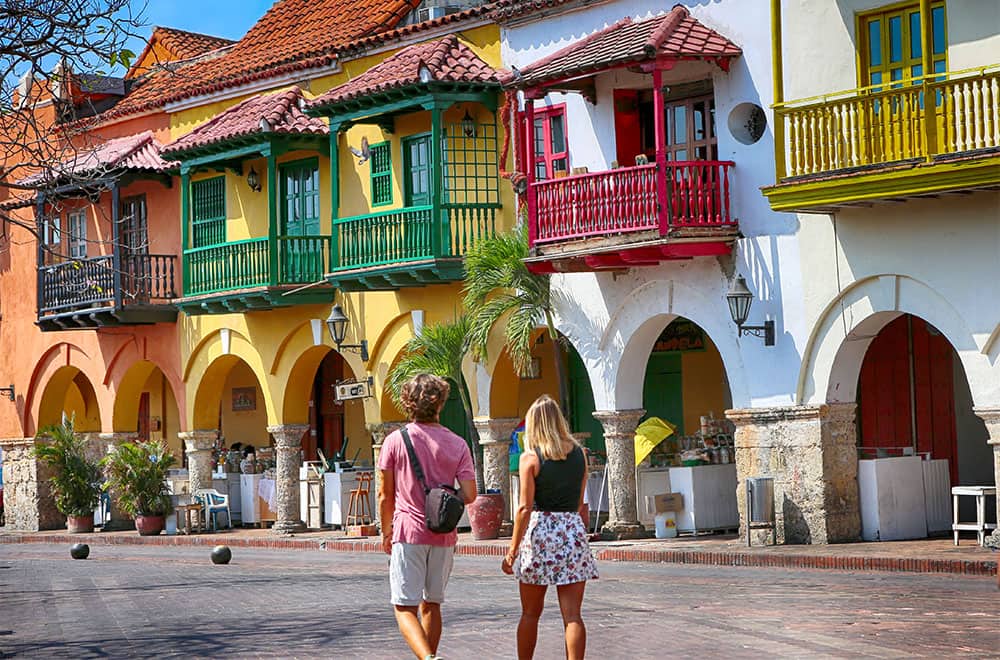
(557, 486)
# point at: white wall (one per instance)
(830, 282)
(819, 44)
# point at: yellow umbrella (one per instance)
(649, 434)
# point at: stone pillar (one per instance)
(99, 445)
(378, 439)
(198, 445)
(811, 452)
(494, 436)
(288, 447)
(28, 502)
(991, 416)
(619, 439)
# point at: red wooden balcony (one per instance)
(628, 217)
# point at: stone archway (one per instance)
(70, 393)
(146, 406)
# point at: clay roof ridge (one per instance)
(168, 29)
(573, 46)
(439, 54)
(666, 27)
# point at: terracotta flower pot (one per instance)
(485, 516)
(80, 524)
(150, 525)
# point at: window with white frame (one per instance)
(76, 225)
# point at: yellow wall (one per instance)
(278, 347)
(703, 385)
(246, 426)
(163, 406)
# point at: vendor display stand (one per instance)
(709, 497)
(254, 507)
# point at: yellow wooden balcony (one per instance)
(926, 136)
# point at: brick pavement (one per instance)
(923, 556)
(153, 601)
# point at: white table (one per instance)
(980, 526)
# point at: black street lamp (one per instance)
(253, 180)
(337, 324)
(739, 299)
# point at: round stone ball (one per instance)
(221, 554)
(79, 551)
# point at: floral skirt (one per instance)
(555, 550)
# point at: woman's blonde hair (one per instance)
(545, 431)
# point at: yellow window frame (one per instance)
(906, 65)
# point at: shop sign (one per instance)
(345, 390)
(681, 335)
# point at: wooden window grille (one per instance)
(208, 212)
(381, 174)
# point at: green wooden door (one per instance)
(417, 166)
(453, 414)
(662, 394)
(301, 249)
(581, 403)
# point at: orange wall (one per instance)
(29, 357)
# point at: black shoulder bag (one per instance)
(443, 508)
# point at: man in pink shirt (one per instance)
(421, 560)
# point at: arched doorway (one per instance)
(914, 400)
(335, 427)
(145, 404)
(70, 394)
(685, 385)
(230, 400)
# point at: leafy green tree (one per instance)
(440, 349)
(499, 288)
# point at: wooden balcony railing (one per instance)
(247, 264)
(416, 233)
(625, 201)
(885, 124)
(144, 279)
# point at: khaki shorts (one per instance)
(419, 573)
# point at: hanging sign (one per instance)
(345, 390)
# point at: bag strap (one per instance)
(414, 461)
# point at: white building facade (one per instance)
(867, 224)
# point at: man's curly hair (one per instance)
(424, 396)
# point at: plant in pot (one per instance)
(440, 350)
(137, 473)
(76, 479)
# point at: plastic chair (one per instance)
(213, 503)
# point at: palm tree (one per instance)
(440, 349)
(500, 288)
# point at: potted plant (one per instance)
(440, 350)
(76, 482)
(137, 473)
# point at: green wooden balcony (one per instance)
(255, 274)
(412, 246)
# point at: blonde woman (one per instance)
(549, 545)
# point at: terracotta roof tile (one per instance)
(278, 112)
(502, 9)
(185, 45)
(447, 60)
(673, 35)
(140, 152)
(293, 35)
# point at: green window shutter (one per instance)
(208, 212)
(381, 164)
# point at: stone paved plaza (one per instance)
(158, 602)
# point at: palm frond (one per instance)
(439, 350)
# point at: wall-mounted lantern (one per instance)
(468, 125)
(739, 299)
(337, 324)
(253, 180)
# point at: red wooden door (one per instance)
(890, 398)
(142, 425)
(628, 133)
